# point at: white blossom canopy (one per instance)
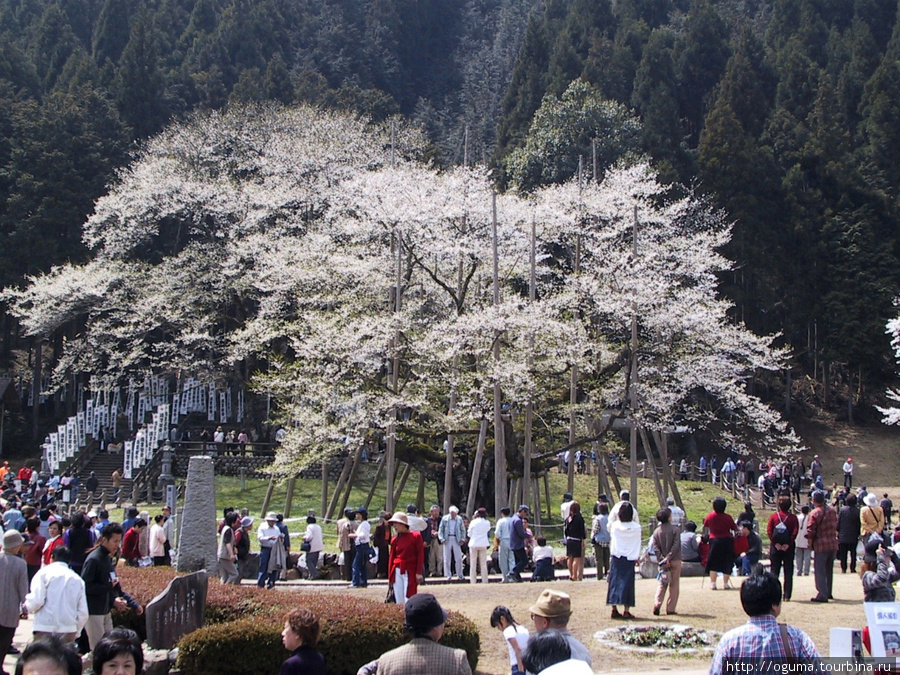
(280, 239)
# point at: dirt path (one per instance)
(698, 606)
(875, 450)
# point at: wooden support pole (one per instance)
(289, 498)
(547, 493)
(324, 488)
(611, 474)
(648, 453)
(420, 493)
(339, 487)
(662, 442)
(357, 459)
(268, 498)
(535, 498)
(406, 471)
(476, 469)
(501, 495)
(377, 478)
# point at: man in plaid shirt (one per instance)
(822, 534)
(762, 637)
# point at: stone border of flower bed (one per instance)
(612, 637)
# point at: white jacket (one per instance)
(479, 529)
(57, 600)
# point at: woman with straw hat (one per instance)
(407, 559)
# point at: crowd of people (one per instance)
(60, 570)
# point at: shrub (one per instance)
(243, 631)
(354, 632)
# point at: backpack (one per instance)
(780, 533)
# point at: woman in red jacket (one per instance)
(407, 559)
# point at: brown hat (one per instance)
(552, 605)
(400, 517)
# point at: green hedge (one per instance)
(243, 632)
(354, 632)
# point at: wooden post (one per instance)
(391, 446)
(325, 487)
(600, 468)
(573, 375)
(535, 497)
(648, 453)
(611, 473)
(339, 487)
(289, 499)
(476, 469)
(406, 471)
(634, 377)
(547, 493)
(377, 478)
(662, 441)
(268, 498)
(500, 496)
(420, 493)
(357, 460)
(529, 408)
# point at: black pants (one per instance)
(843, 549)
(784, 559)
(6, 637)
(521, 561)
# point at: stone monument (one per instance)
(178, 610)
(197, 547)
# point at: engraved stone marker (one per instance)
(178, 610)
(197, 533)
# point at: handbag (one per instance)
(390, 599)
(305, 546)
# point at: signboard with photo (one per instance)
(883, 619)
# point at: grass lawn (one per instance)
(308, 496)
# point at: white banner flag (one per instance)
(129, 458)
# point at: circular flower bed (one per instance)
(675, 639)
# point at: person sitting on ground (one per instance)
(548, 653)
(49, 656)
(543, 561)
(552, 610)
(300, 636)
(425, 619)
(118, 652)
(690, 543)
(762, 636)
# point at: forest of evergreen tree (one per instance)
(786, 113)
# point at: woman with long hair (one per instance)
(720, 528)
(515, 634)
(624, 548)
(575, 532)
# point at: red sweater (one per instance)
(34, 553)
(407, 555)
(131, 545)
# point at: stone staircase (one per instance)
(103, 464)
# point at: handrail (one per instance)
(250, 449)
